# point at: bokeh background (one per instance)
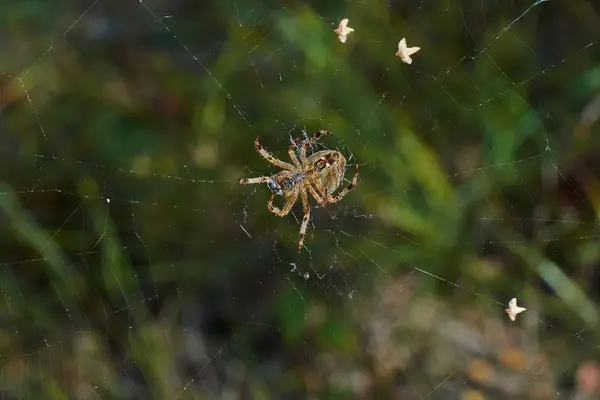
(135, 267)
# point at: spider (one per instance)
(319, 174)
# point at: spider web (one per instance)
(136, 267)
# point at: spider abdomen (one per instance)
(330, 166)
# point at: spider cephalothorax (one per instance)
(319, 174)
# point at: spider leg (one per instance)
(267, 156)
(251, 181)
(306, 217)
(309, 142)
(315, 192)
(288, 204)
(303, 154)
(352, 185)
(293, 157)
(319, 188)
(315, 136)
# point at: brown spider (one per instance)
(320, 174)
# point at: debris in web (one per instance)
(343, 30)
(405, 52)
(513, 309)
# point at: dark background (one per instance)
(134, 266)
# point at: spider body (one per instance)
(319, 174)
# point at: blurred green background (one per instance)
(135, 266)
